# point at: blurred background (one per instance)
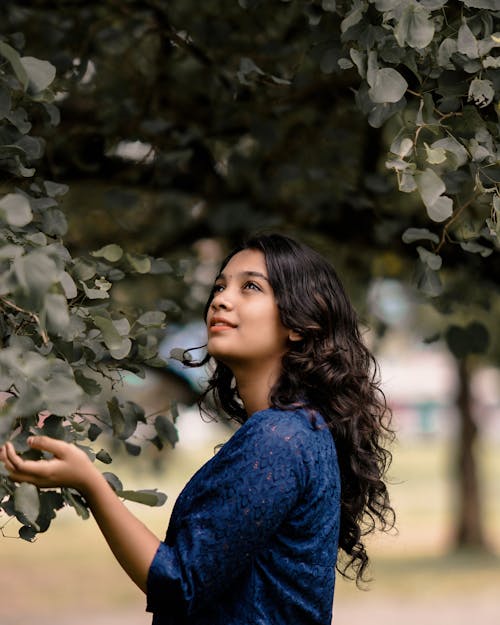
(167, 154)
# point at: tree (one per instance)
(58, 330)
(249, 114)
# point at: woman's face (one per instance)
(243, 320)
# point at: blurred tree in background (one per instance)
(370, 128)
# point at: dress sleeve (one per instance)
(230, 511)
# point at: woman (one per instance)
(254, 536)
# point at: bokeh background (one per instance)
(176, 144)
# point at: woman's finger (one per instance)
(5, 458)
(52, 445)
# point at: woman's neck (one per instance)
(254, 388)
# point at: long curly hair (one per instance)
(332, 371)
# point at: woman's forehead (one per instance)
(250, 262)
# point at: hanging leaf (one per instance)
(104, 457)
(410, 235)
(113, 480)
(40, 73)
(481, 92)
(415, 27)
(152, 318)
(466, 42)
(76, 501)
(111, 252)
(27, 502)
(431, 188)
(111, 337)
(388, 86)
(433, 261)
(138, 262)
(15, 60)
(166, 430)
(16, 209)
(145, 496)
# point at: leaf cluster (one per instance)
(61, 335)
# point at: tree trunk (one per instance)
(470, 532)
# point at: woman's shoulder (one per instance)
(290, 423)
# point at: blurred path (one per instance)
(447, 611)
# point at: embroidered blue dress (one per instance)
(253, 536)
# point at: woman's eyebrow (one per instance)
(244, 274)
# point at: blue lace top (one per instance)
(253, 536)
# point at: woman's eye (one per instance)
(217, 288)
(251, 286)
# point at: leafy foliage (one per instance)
(60, 333)
(434, 67)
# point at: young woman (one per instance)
(254, 536)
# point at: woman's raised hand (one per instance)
(70, 466)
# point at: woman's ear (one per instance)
(294, 336)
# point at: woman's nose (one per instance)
(221, 301)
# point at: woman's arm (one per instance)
(133, 545)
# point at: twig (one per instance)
(452, 220)
(31, 315)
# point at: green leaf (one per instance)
(99, 293)
(56, 311)
(54, 189)
(111, 252)
(401, 146)
(54, 222)
(435, 156)
(441, 209)
(139, 262)
(104, 457)
(76, 501)
(28, 533)
(27, 502)
(353, 17)
(122, 351)
(68, 285)
(406, 182)
(16, 209)
(89, 385)
(481, 92)
(431, 187)
(124, 417)
(457, 153)
(111, 337)
(491, 5)
(410, 235)
(446, 50)
(388, 86)
(166, 430)
(113, 480)
(40, 73)
(15, 60)
(152, 318)
(415, 27)
(84, 269)
(476, 248)
(466, 42)
(433, 261)
(428, 281)
(145, 496)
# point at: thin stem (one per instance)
(451, 221)
(31, 315)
